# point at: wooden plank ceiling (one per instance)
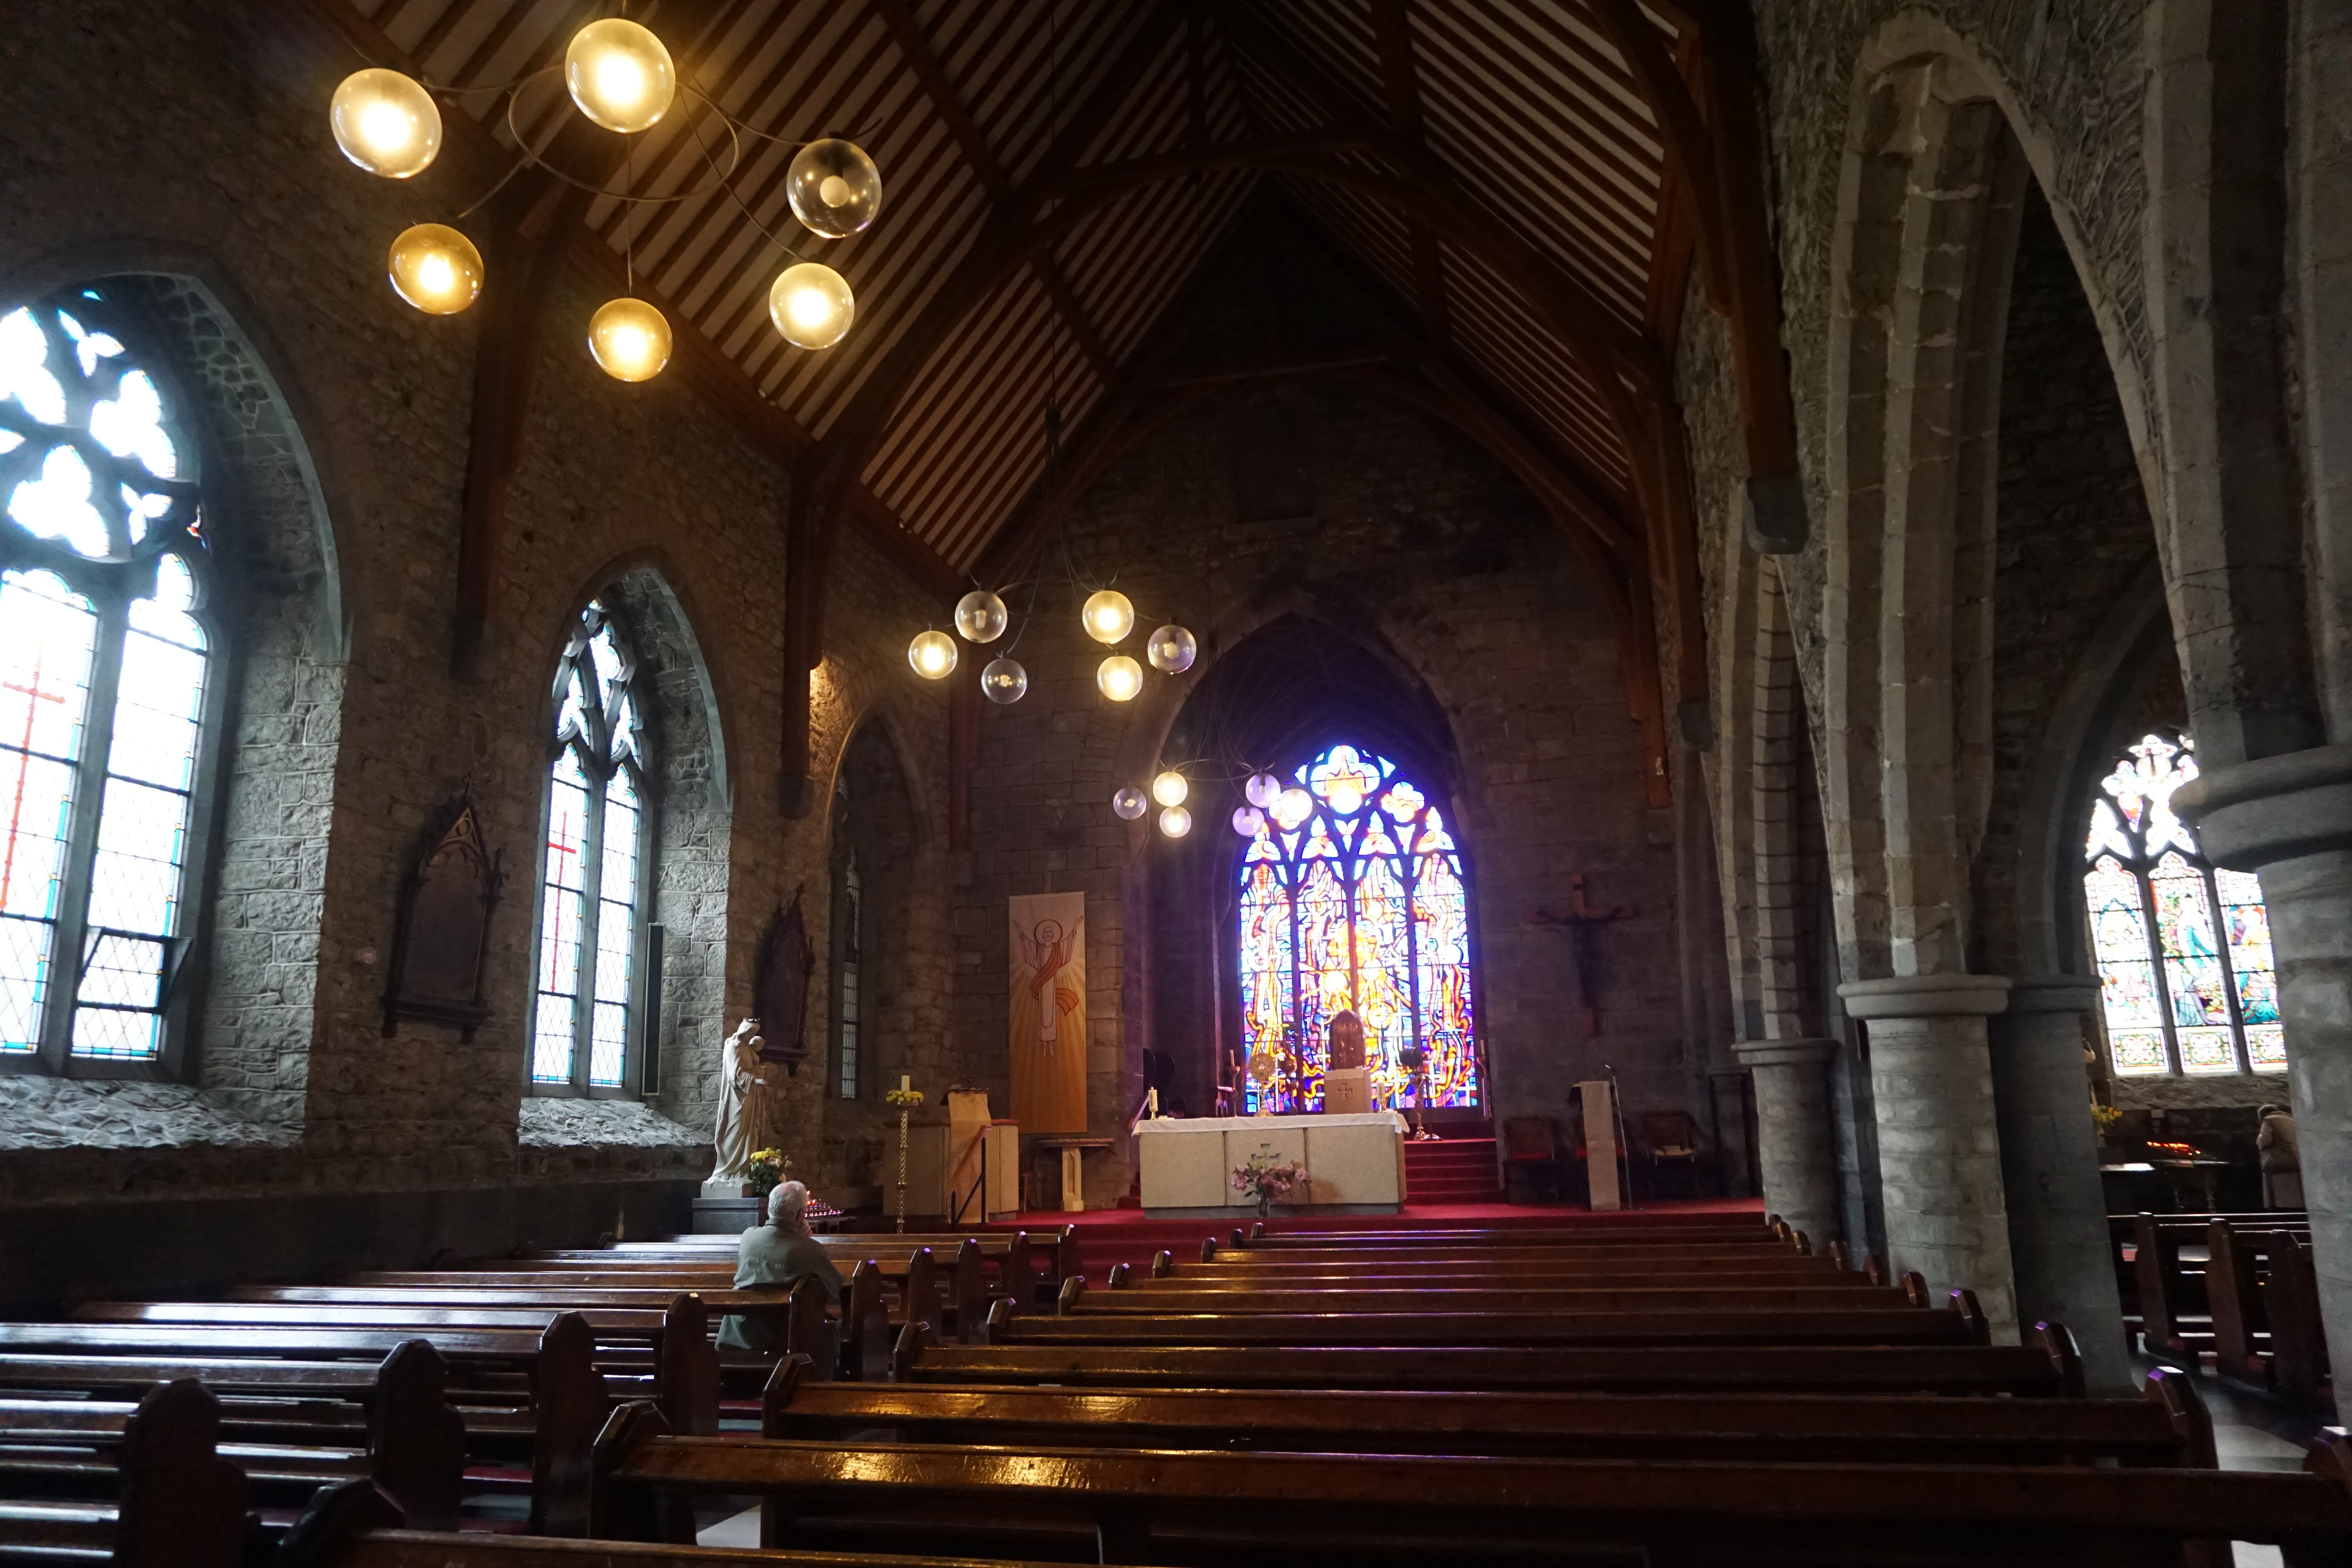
(1527, 104)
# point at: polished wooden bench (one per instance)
(1693, 1293)
(2047, 1367)
(304, 1423)
(1195, 1506)
(178, 1503)
(2168, 1427)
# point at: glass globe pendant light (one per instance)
(933, 655)
(385, 122)
(1248, 821)
(435, 269)
(620, 74)
(1172, 649)
(811, 305)
(1003, 680)
(1263, 790)
(1119, 677)
(1292, 806)
(1175, 822)
(1171, 788)
(1108, 617)
(980, 616)
(629, 338)
(834, 188)
(1127, 804)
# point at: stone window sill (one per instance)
(100, 1113)
(548, 1122)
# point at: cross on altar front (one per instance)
(1579, 921)
(32, 692)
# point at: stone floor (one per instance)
(2252, 1431)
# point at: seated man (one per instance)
(775, 1256)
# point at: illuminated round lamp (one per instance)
(620, 74)
(834, 188)
(811, 305)
(1263, 790)
(1003, 680)
(1171, 788)
(933, 655)
(1108, 617)
(1127, 804)
(1119, 677)
(1292, 806)
(1172, 649)
(435, 269)
(385, 122)
(1248, 821)
(629, 338)
(1175, 822)
(980, 616)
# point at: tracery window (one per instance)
(1353, 897)
(2187, 981)
(851, 989)
(592, 873)
(104, 675)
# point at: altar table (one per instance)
(1355, 1164)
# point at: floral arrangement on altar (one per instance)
(904, 1098)
(1266, 1181)
(767, 1170)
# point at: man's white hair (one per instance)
(786, 1203)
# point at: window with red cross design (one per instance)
(586, 1005)
(104, 673)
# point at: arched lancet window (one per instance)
(592, 879)
(851, 1001)
(104, 684)
(2178, 997)
(1353, 896)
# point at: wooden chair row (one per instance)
(1177, 1506)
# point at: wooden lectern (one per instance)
(1600, 1144)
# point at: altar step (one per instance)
(1451, 1171)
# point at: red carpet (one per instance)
(1106, 1237)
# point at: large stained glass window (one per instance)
(1353, 897)
(104, 669)
(592, 876)
(2184, 947)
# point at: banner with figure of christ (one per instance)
(1048, 954)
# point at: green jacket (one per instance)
(772, 1259)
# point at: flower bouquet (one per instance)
(1266, 1180)
(767, 1170)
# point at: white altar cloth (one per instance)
(1354, 1163)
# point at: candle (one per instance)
(905, 1080)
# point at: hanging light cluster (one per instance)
(621, 76)
(1108, 617)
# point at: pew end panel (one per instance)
(182, 1505)
(416, 1442)
(569, 1405)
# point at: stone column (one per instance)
(1793, 1132)
(2058, 1240)
(2289, 819)
(1939, 1151)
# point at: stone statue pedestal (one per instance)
(725, 1215)
(725, 1187)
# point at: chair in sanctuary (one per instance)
(1531, 1152)
(1672, 1158)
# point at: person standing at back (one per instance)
(776, 1257)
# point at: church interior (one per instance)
(1102, 780)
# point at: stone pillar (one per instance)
(2058, 1240)
(1939, 1151)
(2288, 819)
(1793, 1132)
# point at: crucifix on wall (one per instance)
(1580, 922)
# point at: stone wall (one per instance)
(336, 425)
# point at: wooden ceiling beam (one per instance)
(1400, 81)
(1711, 138)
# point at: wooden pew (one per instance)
(1763, 1269)
(1192, 1507)
(315, 1421)
(2048, 1366)
(1693, 1294)
(2169, 1269)
(1043, 1258)
(2168, 1427)
(1284, 1238)
(179, 1504)
(1766, 1322)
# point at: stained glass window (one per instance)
(2187, 982)
(592, 873)
(1353, 897)
(853, 899)
(104, 668)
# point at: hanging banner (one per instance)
(1047, 952)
